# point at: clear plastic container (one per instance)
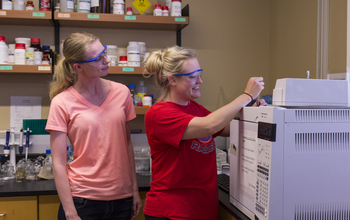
(67, 6)
(48, 166)
(112, 54)
(142, 159)
(141, 89)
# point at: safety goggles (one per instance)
(192, 76)
(98, 58)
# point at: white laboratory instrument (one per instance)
(292, 162)
(311, 92)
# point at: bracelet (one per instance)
(251, 97)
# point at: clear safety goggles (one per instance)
(192, 76)
(99, 58)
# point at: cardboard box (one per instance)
(141, 7)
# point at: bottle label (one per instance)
(45, 62)
(29, 8)
(118, 8)
(70, 5)
(133, 58)
(84, 6)
(95, 3)
(45, 5)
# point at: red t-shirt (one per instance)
(184, 175)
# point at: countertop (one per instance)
(47, 187)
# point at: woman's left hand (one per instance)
(137, 205)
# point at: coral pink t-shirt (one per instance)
(184, 180)
(100, 169)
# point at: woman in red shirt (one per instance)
(181, 135)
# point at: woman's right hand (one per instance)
(254, 86)
(73, 217)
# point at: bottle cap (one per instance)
(123, 58)
(30, 2)
(34, 40)
(165, 8)
(129, 9)
(2, 38)
(20, 46)
(45, 47)
(139, 104)
(132, 86)
(146, 95)
(45, 55)
(157, 6)
(176, 0)
(48, 151)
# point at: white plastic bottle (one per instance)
(118, 7)
(129, 11)
(20, 54)
(19, 5)
(168, 3)
(165, 11)
(133, 54)
(157, 10)
(175, 8)
(67, 6)
(3, 51)
(147, 101)
(6, 5)
(11, 53)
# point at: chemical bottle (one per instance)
(129, 11)
(83, 6)
(118, 7)
(147, 101)
(165, 11)
(44, 5)
(3, 51)
(30, 56)
(19, 5)
(132, 88)
(100, 6)
(6, 5)
(141, 90)
(67, 6)
(35, 42)
(157, 10)
(48, 51)
(48, 166)
(29, 6)
(123, 61)
(46, 60)
(20, 54)
(133, 51)
(175, 8)
(11, 54)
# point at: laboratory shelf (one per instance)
(141, 110)
(25, 69)
(126, 70)
(113, 21)
(30, 18)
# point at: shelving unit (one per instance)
(90, 20)
(31, 18)
(37, 69)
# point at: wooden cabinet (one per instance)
(48, 207)
(16, 208)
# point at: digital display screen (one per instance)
(267, 131)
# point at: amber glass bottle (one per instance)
(100, 6)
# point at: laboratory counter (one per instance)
(11, 188)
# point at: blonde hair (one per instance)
(74, 50)
(166, 63)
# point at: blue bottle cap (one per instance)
(132, 86)
(46, 47)
(48, 151)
